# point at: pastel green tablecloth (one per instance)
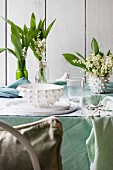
(76, 130)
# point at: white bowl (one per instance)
(40, 95)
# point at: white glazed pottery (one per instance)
(98, 84)
(40, 95)
(21, 107)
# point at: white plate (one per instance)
(21, 106)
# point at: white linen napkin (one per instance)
(107, 103)
(98, 105)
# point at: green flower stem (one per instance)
(41, 73)
(42, 76)
(21, 71)
(21, 66)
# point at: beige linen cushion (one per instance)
(45, 136)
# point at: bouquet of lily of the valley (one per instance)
(33, 37)
(97, 64)
(39, 35)
(21, 39)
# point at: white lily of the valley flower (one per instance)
(99, 65)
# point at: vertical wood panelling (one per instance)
(67, 35)
(100, 23)
(2, 43)
(19, 11)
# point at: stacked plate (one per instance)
(60, 107)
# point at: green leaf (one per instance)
(48, 29)
(27, 37)
(81, 56)
(10, 50)
(17, 45)
(10, 22)
(40, 29)
(101, 54)
(27, 40)
(71, 58)
(2, 49)
(14, 30)
(25, 29)
(33, 22)
(108, 53)
(33, 15)
(40, 24)
(23, 41)
(13, 52)
(94, 47)
(20, 30)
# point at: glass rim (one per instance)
(75, 78)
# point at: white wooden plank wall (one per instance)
(2, 43)
(19, 11)
(100, 24)
(68, 34)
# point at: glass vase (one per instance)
(42, 73)
(21, 70)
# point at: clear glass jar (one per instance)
(42, 73)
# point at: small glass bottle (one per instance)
(21, 70)
(42, 73)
